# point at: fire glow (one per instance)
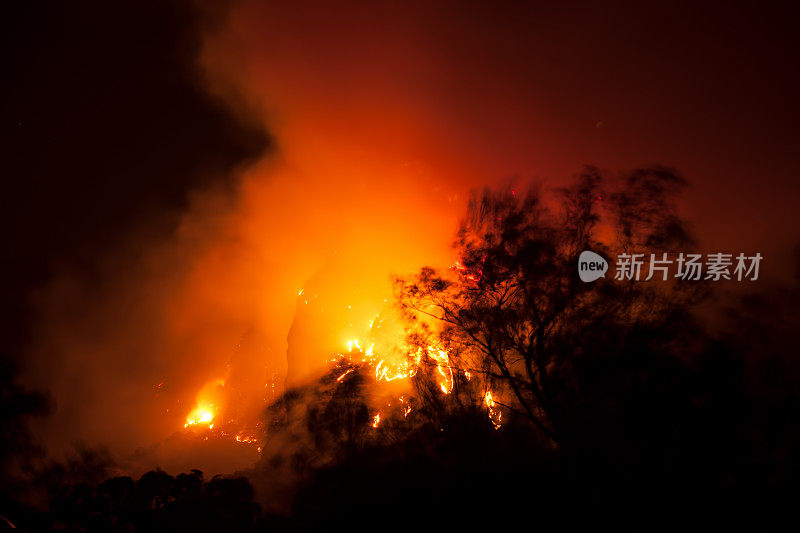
(207, 405)
(398, 361)
(394, 359)
(383, 349)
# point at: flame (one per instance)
(406, 408)
(388, 353)
(207, 405)
(201, 415)
(395, 360)
(245, 438)
(392, 358)
(495, 415)
(340, 378)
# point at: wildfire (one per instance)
(394, 360)
(400, 367)
(243, 437)
(495, 415)
(471, 275)
(406, 407)
(201, 415)
(207, 404)
(385, 350)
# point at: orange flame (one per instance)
(207, 405)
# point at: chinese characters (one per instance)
(713, 267)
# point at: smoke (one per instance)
(350, 197)
(382, 120)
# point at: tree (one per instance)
(512, 310)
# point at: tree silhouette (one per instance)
(625, 404)
(513, 311)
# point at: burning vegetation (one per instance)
(237, 295)
(506, 349)
(504, 370)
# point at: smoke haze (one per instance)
(325, 148)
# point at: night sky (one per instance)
(166, 158)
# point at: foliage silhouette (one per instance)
(639, 406)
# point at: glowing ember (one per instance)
(385, 349)
(394, 359)
(406, 407)
(241, 437)
(494, 415)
